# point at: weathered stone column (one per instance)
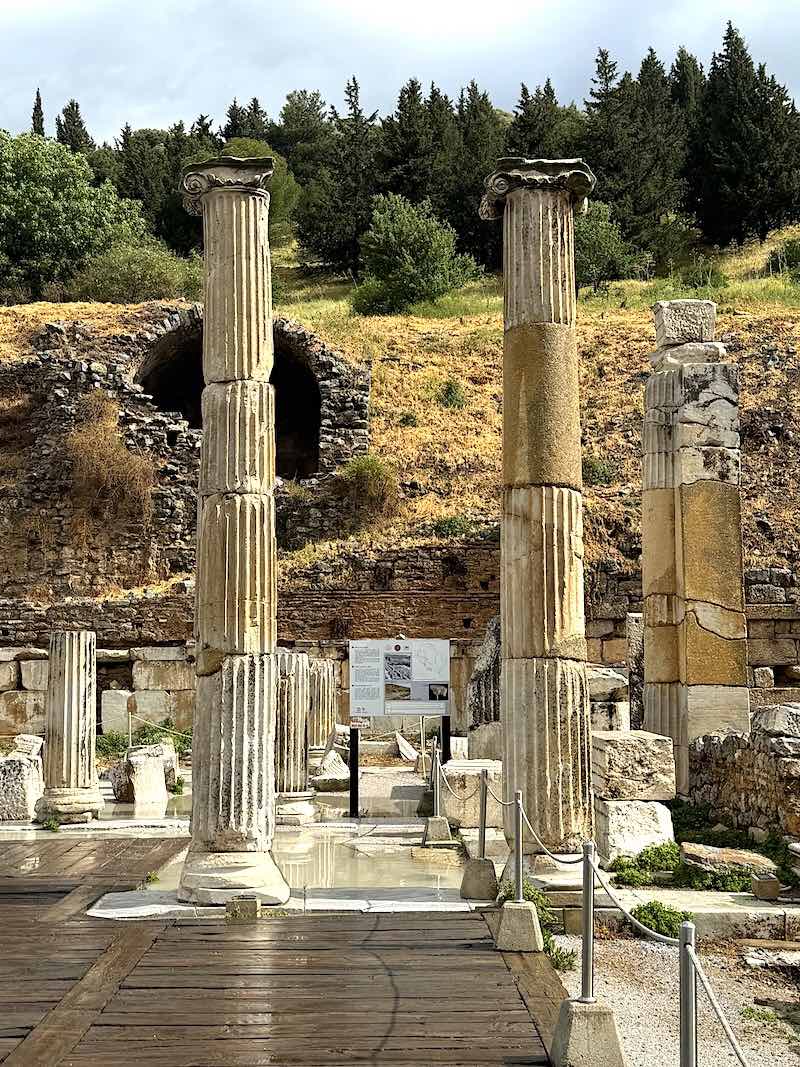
(692, 569)
(233, 789)
(544, 699)
(71, 792)
(322, 708)
(291, 738)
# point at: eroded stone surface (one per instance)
(726, 860)
(21, 786)
(636, 765)
(680, 321)
(625, 827)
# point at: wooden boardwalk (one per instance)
(293, 989)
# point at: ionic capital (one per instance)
(224, 172)
(514, 172)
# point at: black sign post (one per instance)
(353, 761)
(446, 755)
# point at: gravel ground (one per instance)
(639, 979)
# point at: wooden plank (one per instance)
(541, 989)
(65, 1025)
(77, 900)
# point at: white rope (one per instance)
(166, 729)
(701, 974)
(458, 796)
(543, 846)
(635, 922)
(503, 803)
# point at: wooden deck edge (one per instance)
(62, 1028)
(541, 989)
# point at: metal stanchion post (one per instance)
(130, 731)
(688, 999)
(482, 822)
(587, 947)
(437, 783)
(518, 846)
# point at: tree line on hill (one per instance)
(681, 155)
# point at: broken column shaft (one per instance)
(544, 700)
(233, 794)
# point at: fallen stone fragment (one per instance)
(725, 860)
(334, 774)
(123, 776)
(21, 785)
(27, 745)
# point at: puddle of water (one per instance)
(371, 858)
(179, 807)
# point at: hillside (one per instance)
(448, 458)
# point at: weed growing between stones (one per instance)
(177, 788)
(51, 823)
(561, 958)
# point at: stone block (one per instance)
(333, 775)
(140, 779)
(586, 1035)
(154, 705)
(604, 682)
(486, 741)
(19, 652)
(9, 676)
(21, 785)
(163, 675)
(463, 777)
(181, 703)
(239, 457)
(661, 654)
(680, 321)
(636, 765)
(625, 827)
(715, 709)
(159, 653)
(707, 464)
(777, 720)
(459, 747)
(114, 711)
(777, 653)
(708, 658)
(610, 715)
(710, 514)
(22, 712)
(691, 352)
(726, 860)
(34, 674)
(658, 542)
(615, 649)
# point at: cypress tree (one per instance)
(236, 119)
(256, 121)
(407, 146)
(686, 81)
(611, 134)
(537, 130)
(71, 129)
(37, 118)
(304, 134)
(745, 149)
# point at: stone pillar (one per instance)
(692, 571)
(544, 698)
(233, 789)
(291, 738)
(323, 702)
(71, 793)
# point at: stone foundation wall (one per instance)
(751, 782)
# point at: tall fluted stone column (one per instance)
(71, 792)
(544, 697)
(695, 647)
(233, 789)
(291, 738)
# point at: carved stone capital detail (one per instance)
(224, 172)
(514, 172)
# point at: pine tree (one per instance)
(203, 129)
(71, 129)
(744, 154)
(686, 81)
(257, 124)
(304, 135)
(337, 207)
(408, 147)
(236, 122)
(37, 118)
(537, 130)
(610, 137)
(446, 138)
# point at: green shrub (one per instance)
(131, 273)
(371, 486)
(661, 918)
(703, 272)
(451, 394)
(453, 526)
(408, 418)
(152, 733)
(672, 243)
(561, 958)
(785, 258)
(177, 788)
(112, 745)
(52, 215)
(599, 471)
(601, 252)
(51, 823)
(408, 255)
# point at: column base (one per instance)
(586, 1035)
(217, 877)
(69, 805)
(295, 809)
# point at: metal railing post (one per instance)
(518, 846)
(130, 731)
(437, 783)
(688, 998)
(587, 916)
(482, 821)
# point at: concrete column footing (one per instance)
(219, 877)
(586, 1035)
(479, 881)
(519, 929)
(437, 831)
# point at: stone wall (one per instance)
(752, 782)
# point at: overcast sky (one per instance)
(151, 62)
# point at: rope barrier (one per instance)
(458, 796)
(503, 803)
(157, 726)
(706, 984)
(543, 846)
(673, 941)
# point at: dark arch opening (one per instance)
(172, 374)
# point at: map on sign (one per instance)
(399, 677)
